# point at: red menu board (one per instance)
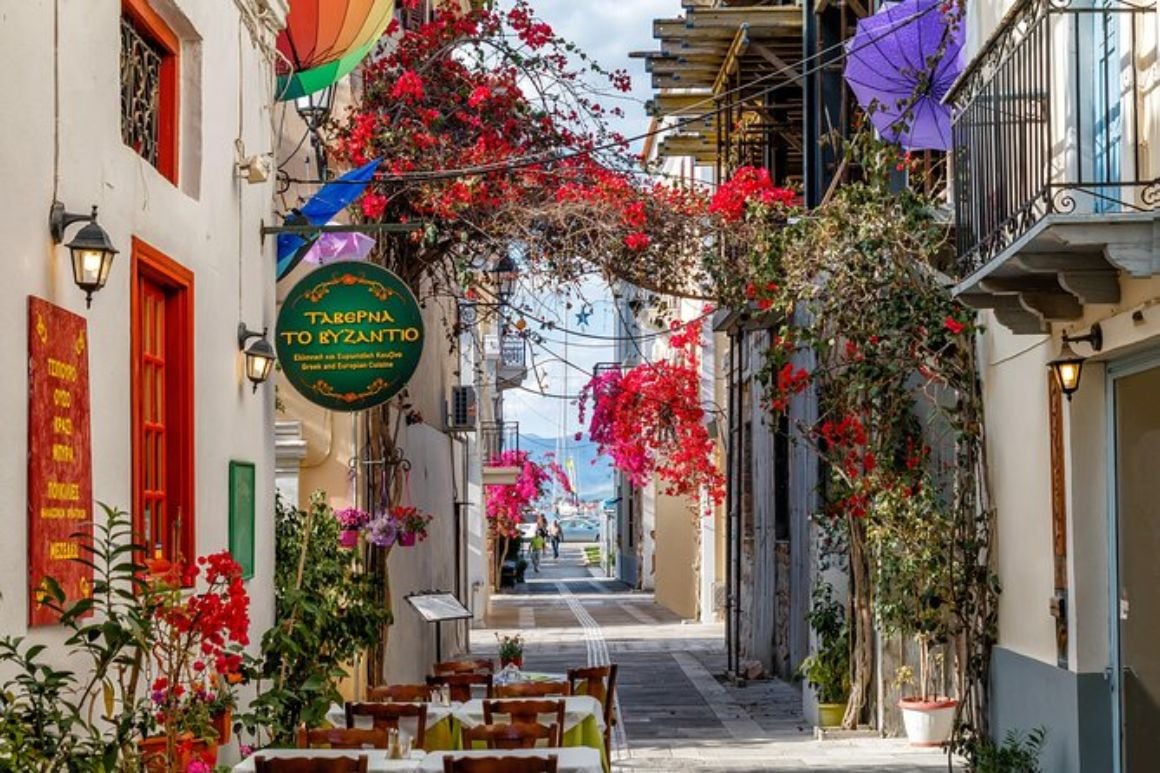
(60, 467)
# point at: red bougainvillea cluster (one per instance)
(749, 185)
(650, 420)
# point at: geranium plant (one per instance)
(199, 640)
(411, 523)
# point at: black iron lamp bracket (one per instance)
(245, 334)
(59, 220)
(1094, 338)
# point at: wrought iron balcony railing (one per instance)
(1048, 120)
(495, 437)
(513, 351)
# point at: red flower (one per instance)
(479, 95)
(953, 325)
(637, 241)
(409, 87)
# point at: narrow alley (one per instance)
(677, 715)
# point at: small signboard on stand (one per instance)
(437, 607)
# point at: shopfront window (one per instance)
(162, 404)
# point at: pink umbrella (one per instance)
(339, 246)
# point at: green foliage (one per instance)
(327, 610)
(1018, 753)
(828, 669)
(62, 720)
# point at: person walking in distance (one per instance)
(537, 549)
(555, 535)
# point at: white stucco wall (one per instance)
(209, 223)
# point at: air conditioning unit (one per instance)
(461, 411)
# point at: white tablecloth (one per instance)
(436, 712)
(577, 759)
(377, 759)
(576, 709)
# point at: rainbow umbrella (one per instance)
(325, 39)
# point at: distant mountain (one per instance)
(592, 473)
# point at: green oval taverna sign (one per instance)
(349, 336)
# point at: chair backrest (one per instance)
(499, 764)
(342, 738)
(527, 712)
(460, 684)
(532, 689)
(597, 681)
(470, 666)
(518, 735)
(400, 693)
(385, 716)
(310, 764)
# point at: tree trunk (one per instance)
(862, 626)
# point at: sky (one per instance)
(607, 30)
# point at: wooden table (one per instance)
(378, 760)
(572, 759)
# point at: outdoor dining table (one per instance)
(378, 760)
(583, 720)
(572, 759)
(441, 731)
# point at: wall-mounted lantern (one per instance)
(260, 355)
(92, 252)
(1068, 366)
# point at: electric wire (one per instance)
(552, 156)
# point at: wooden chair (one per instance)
(342, 738)
(600, 683)
(310, 764)
(516, 735)
(401, 693)
(533, 689)
(453, 764)
(460, 684)
(471, 666)
(528, 712)
(386, 716)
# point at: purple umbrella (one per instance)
(887, 64)
(332, 246)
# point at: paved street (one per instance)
(677, 714)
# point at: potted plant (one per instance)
(353, 520)
(511, 650)
(914, 596)
(827, 670)
(412, 524)
(197, 646)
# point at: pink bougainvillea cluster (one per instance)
(506, 503)
(650, 420)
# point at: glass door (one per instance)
(1136, 566)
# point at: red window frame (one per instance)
(162, 417)
(150, 24)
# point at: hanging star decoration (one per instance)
(583, 315)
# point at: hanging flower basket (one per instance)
(406, 539)
(348, 538)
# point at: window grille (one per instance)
(141, 61)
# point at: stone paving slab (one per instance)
(677, 713)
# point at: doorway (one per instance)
(1135, 628)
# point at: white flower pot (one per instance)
(928, 722)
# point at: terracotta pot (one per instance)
(406, 538)
(348, 538)
(222, 724)
(928, 722)
(518, 662)
(154, 754)
(830, 714)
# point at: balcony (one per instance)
(1053, 200)
(509, 352)
(495, 437)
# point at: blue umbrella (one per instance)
(331, 199)
(888, 65)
